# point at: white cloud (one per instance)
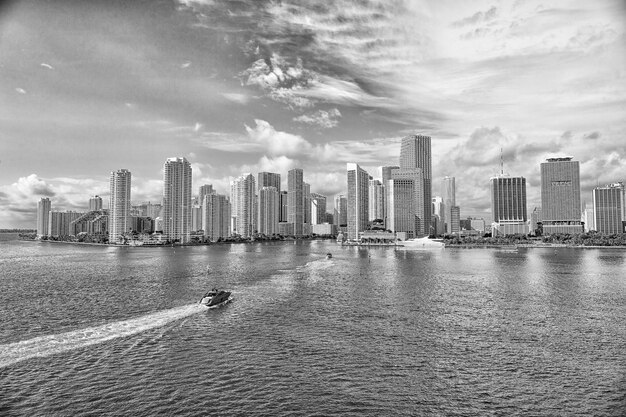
(276, 142)
(321, 118)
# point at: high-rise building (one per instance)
(119, 211)
(535, 220)
(358, 200)
(340, 214)
(404, 195)
(508, 205)
(269, 202)
(560, 196)
(95, 203)
(43, 216)
(438, 215)
(244, 201)
(295, 204)
(415, 152)
(589, 218)
(609, 208)
(216, 216)
(196, 214)
(318, 208)
(205, 190)
(284, 204)
(268, 179)
(59, 222)
(455, 220)
(386, 172)
(376, 200)
(177, 178)
(448, 194)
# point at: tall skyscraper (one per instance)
(284, 207)
(448, 193)
(415, 152)
(43, 214)
(177, 177)
(95, 203)
(438, 213)
(269, 209)
(376, 200)
(59, 223)
(560, 196)
(196, 214)
(119, 212)
(358, 200)
(404, 195)
(609, 208)
(340, 216)
(508, 205)
(386, 172)
(268, 179)
(205, 190)
(318, 208)
(216, 216)
(245, 204)
(295, 204)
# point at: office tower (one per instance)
(376, 200)
(153, 210)
(609, 209)
(560, 196)
(358, 200)
(415, 153)
(306, 196)
(119, 210)
(448, 193)
(455, 220)
(588, 217)
(404, 195)
(204, 190)
(295, 204)
(438, 213)
(95, 203)
(341, 211)
(196, 214)
(244, 203)
(318, 208)
(269, 202)
(216, 216)
(59, 223)
(43, 214)
(535, 220)
(508, 205)
(386, 173)
(177, 176)
(268, 179)
(284, 211)
(94, 222)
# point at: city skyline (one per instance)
(234, 87)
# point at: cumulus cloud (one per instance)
(277, 142)
(321, 118)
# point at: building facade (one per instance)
(448, 194)
(404, 195)
(357, 200)
(295, 200)
(43, 217)
(508, 205)
(177, 182)
(216, 215)
(376, 200)
(340, 213)
(318, 209)
(268, 179)
(415, 152)
(119, 210)
(245, 204)
(95, 203)
(560, 196)
(269, 205)
(609, 209)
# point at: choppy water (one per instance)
(89, 330)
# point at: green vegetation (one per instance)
(582, 239)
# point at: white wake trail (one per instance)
(44, 346)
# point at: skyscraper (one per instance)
(438, 210)
(341, 211)
(376, 200)
(43, 215)
(119, 211)
(386, 173)
(177, 200)
(448, 194)
(269, 202)
(216, 216)
(415, 152)
(268, 179)
(245, 204)
(358, 200)
(560, 196)
(295, 203)
(404, 194)
(318, 208)
(609, 209)
(204, 190)
(508, 205)
(95, 203)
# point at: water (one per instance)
(93, 330)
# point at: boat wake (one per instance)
(44, 346)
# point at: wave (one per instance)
(44, 346)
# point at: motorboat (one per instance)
(329, 255)
(215, 297)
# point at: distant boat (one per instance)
(215, 297)
(421, 243)
(329, 255)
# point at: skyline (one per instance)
(235, 87)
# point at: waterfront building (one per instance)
(318, 209)
(455, 220)
(535, 221)
(95, 222)
(269, 201)
(268, 179)
(560, 196)
(284, 211)
(609, 208)
(285, 229)
(295, 203)
(324, 229)
(340, 213)
(196, 214)
(386, 173)
(95, 203)
(177, 178)
(216, 215)
(203, 190)
(153, 210)
(404, 196)
(508, 205)
(306, 195)
(438, 216)
(448, 194)
(415, 152)
(119, 211)
(245, 204)
(478, 224)
(43, 216)
(376, 200)
(588, 218)
(357, 200)
(59, 222)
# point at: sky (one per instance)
(89, 87)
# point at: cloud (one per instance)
(320, 118)
(43, 64)
(478, 17)
(185, 65)
(237, 98)
(276, 142)
(20, 90)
